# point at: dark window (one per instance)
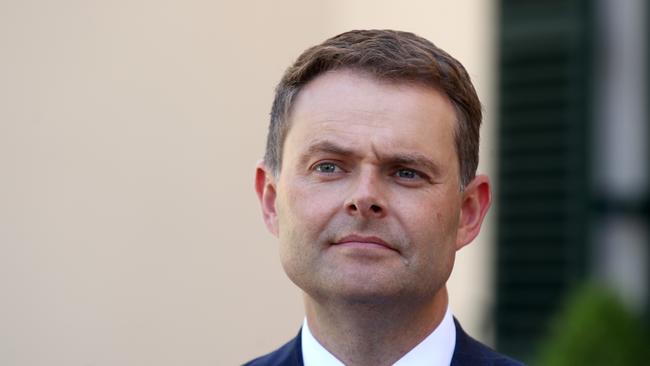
(543, 187)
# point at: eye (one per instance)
(409, 174)
(327, 168)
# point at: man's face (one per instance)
(368, 206)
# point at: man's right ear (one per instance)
(265, 187)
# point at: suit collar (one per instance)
(436, 348)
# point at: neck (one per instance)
(361, 334)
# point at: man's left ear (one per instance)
(474, 206)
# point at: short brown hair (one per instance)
(388, 55)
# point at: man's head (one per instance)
(388, 55)
(366, 203)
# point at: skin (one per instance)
(369, 212)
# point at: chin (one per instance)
(351, 284)
(358, 292)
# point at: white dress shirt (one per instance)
(436, 349)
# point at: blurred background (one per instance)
(572, 194)
(129, 133)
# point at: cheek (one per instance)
(436, 240)
(436, 229)
(304, 213)
(307, 207)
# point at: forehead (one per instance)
(351, 86)
(356, 108)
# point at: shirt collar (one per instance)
(436, 349)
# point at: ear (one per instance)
(265, 187)
(474, 206)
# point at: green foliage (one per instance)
(596, 329)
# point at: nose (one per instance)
(367, 198)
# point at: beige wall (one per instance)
(129, 130)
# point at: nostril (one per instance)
(362, 209)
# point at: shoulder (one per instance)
(469, 351)
(289, 354)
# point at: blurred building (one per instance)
(573, 159)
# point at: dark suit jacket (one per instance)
(468, 352)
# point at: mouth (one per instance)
(367, 242)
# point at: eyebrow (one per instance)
(414, 160)
(406, 159)
(326, 147)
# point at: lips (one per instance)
(360, 240)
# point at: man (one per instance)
(369, 184)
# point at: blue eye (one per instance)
(326, 168)
(407, 174)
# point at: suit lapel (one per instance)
(464, 351)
